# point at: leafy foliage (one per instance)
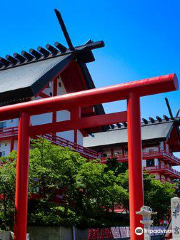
(7, 193)
(115, 166)
(157, 194)
(66, 189)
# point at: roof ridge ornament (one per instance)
(20, 58)
(35, 53)
(12, 59)
(64, 30)
(44, 52)
(52, 49)
(61, 47)
(83, 53)
(159, 118)
(145, 120)
(5, 62)
(152, 119)
(28, 56)
(169, 108)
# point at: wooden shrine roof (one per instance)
(24, 75)
(156, 130)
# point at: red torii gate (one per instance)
(73, 102)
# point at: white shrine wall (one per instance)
(43, 119)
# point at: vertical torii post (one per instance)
(131, 92)
(136, 196)
(22, 169)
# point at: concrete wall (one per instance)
(81, 234)
(56, 233)
(6, 235)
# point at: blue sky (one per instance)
(142, 39)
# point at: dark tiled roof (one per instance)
(27, 80)
(24, 75)
(149, 131)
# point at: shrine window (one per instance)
(150, 163)
(2, 125)
(2, 154)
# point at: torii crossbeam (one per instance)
(73, 102)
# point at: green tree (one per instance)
(67, 189)
(100, 189)
(52, 168)
(7, 192)
(115, 166)
(88, 191)
(157, 194)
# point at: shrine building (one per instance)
(160, 139)
(38, 74)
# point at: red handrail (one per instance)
(159, 168)
(76, 147)
(86, 152)
(7, 132)
(124, 157)
(13, 131)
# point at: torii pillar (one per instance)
(136, 191)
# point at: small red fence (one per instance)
(8, 132)
(119, 233)
(85, 152)
(162, 168)
(104, 233)
(148, 155)
(109, 233)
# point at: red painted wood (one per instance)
(82, 123)
(164, 146)
(159, 163)
(86, 152)
(72, 78)
(12, 144)
(92, 97)
(173, 140)
(75, 116)
(112, 152)
(8, 132)
(165, 170)
(43, 95)
(38, 94)
(161, 155)
(54, 115)
(136, 193)
(47, 85)
(21, 197)
(80, 74)
(88, 111)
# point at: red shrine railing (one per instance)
(162, 169)
(8, 132)
(162, 153)
(148, 155)
(85, 152)
(74, 146)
